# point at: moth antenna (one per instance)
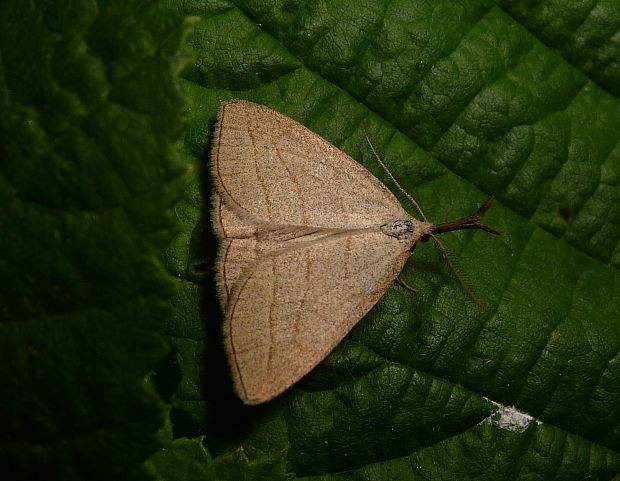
(408, 205)
(455, 273)
(465, 277)
(387, 171)
(470, 222)
(404, 283)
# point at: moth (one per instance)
(309, 241)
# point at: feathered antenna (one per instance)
(454, 270)
(468, 222)
(387, 171)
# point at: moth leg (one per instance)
(403, 283)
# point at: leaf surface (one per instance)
(88, 179)
(462, 100)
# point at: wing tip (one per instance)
(247, 397)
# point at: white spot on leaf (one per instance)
(510, 418)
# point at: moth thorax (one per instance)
(400, 228)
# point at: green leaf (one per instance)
(463, 100)
(187, 459)
(88, 179)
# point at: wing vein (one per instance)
(261, 181)
(295, 182)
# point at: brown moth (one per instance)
(309, 241)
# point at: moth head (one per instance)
(402, 229)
